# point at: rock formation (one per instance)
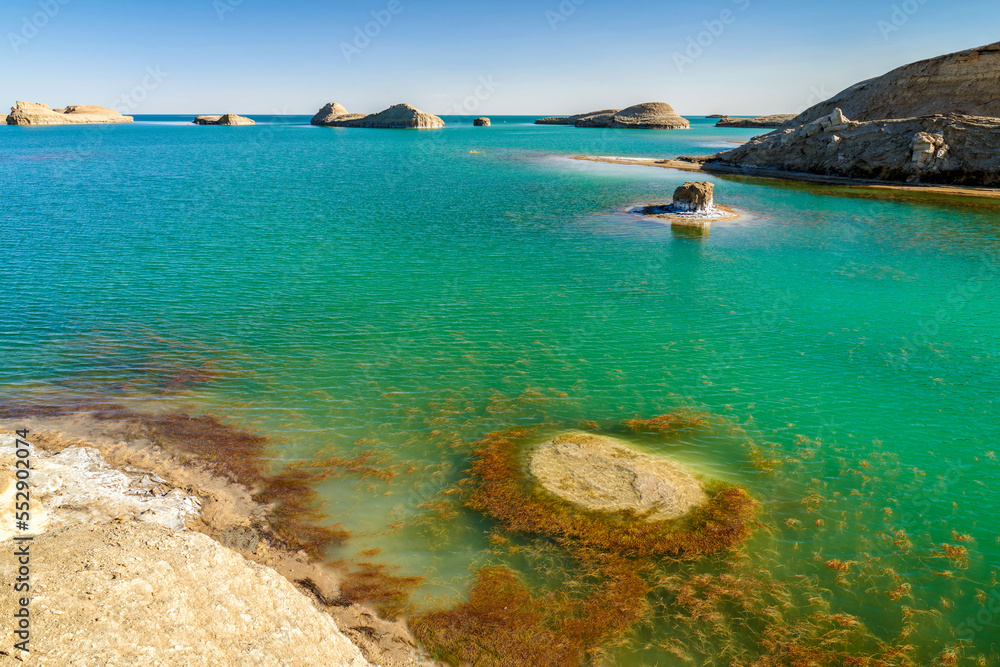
(776, 120)
(29, 113)
(958, 83)
(137, 593)
(946, 149)
(333, 113)
(224, 119)
(935, 121)
(694, 196)
(649, 115)
(481, 122)
(398, 116)
(607, 475)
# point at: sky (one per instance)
(534, 57)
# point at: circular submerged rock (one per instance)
(607, 475)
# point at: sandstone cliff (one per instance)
(965, 82)
(398, 116)
(30, 113)
(934, 121)
(649, 115)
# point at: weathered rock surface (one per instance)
(224, 119)
(649, 115)
(481, 122)
(964, 83)
(333, 112)
(776, 120)
(31, 113)
(946, 149)
(398, 116)
(934, 121)
(122, 594)
(607, 475)
(694, 196)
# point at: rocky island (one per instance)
(224, 119)
(398, 116)
(776, 120)
(936, 121)
(36, 113)
(649, 115)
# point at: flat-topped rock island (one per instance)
(36, 113)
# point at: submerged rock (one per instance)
(31, 113)
(608, 475)
(649, 115)
(481, 122)
(398, 116)
(224, 119)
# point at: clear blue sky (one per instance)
(542, 56)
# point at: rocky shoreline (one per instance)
(150, 551)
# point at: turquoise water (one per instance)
(411, 291)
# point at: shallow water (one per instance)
(408, 292)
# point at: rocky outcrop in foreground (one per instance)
(776, 120)
(607, 475)
(949, 149)
(646, 116)
(224, 119)
(137, 593)
(935, 121)
(31, 113)
(117, 580)
(398, 116)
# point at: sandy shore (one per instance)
(107, 495)
(718, 170)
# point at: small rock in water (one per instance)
(608, 475)
(481, 122)
(694, 196)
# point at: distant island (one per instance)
(398, 116)
(776, 120)
(36, 113)
(646, 116)
(224, 119)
